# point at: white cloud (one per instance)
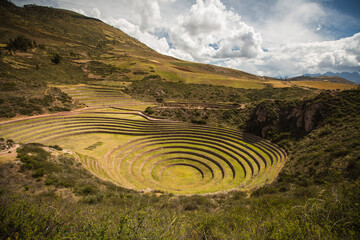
(296, 59)
(292, 21)
(79, 11)
(210, 31)
(150, 15)
(297, 35)
(318, 28)
(95, 12)
(158, 44)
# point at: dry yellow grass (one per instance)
(279, 84)
(323, 85)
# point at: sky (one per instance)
(278, 38)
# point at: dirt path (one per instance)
(8, 154)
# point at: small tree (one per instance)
(56, 58)
(19, 43)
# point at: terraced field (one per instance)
(137, 152)
(99, 97)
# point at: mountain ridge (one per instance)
(353, 77)
(323, 78)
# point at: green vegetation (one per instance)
(214, 105)
(227, 116)
(65, 181)
(319, 184)
(5, 145)
(20, 43)
(32, 101)
(56, 58)
(325, 85)
(224, 158)
(97, 96)
(152, 88)
(68, 202)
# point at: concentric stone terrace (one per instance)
(142, 154)
(99, 97)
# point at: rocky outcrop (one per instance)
(295, 117)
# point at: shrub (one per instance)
(86, 190)
(149, 110)
(198, 121)
(38, 173)
(353, 169)
(10, 143)
(160, 100)
(139, 72)
(41, 46)
(56, 147)
(56, 58)
(19, 43)
(152, 77)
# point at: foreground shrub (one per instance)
(56, 58)
(19, 43)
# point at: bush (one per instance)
(139, 72)
(38, 173)
(56, 58)
(10, 143)
(19, 43)
(149, 110)
(41, 46)
(160, 100)
(56, 147)
(152, 77)
(86, 190)
(198, 121)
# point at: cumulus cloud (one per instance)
(158, 44)
(150, 15)
(95, 12)
(293, 21)
(209, 30)
(316, 57)
(273, 38)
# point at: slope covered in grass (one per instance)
(66, 201)
(75, 192)
(121, 147)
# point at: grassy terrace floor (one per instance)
(125, 147)
(101, 97)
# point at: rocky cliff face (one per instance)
(296, 117)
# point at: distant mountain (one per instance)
(354, 77)
(322, 78)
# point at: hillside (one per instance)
(106, 52)
(103, 138)
(322, 82)
(89, 52)
(92, 52)
(319, 183)
(354, 76)
(332, 79)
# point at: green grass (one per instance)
(133, 152)
(48, 194)
(324, 85)
(68, 195)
